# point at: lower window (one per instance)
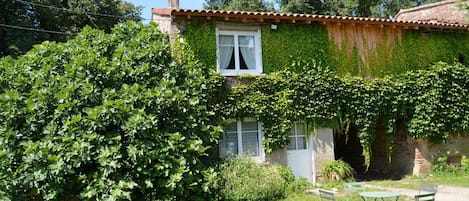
(242, 138)
(297, 137)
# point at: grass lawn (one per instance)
(314, 197)
(409, 182)
(412, 182)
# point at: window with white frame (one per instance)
(242, 137)
(239, 52)
(297, 137)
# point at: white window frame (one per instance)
(258, 52)
(296, 136)
(261, 156)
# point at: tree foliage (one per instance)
(362, 8)
(107, 117)
(240, 5)
(67, 16)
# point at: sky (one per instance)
(148, 4)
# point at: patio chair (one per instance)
(425, 197)
(428, 188)
(427, 192)
(353, 186)
(326, 195)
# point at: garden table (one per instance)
(379, 195)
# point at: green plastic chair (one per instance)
(353, 186)
(427, 192)
(326, 195)
(428, 188)
(425, 197)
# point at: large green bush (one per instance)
(107, 117)
(244, 179)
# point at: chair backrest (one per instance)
(428, 188)
(425, 197)
(354, 186)
(326, 195)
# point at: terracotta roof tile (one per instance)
(302, 17)
(446, 12)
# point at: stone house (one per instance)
(257, 43)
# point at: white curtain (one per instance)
(247, 48)
(226, 44)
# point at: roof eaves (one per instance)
(276, 17)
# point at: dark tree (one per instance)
(63, 17)
(241, 5)
(362, 8)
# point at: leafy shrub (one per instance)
(442, 165)
(337, 170)
(299, 185)
(244, 179)
(293, 185)
(107, 117)
(465, 164)
(286, 173)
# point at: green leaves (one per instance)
(433, 103)
(107, 117)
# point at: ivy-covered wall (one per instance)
(201, 38)
(291, 43)
(365, 51)
(409, 83)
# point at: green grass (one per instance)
(409, 182)
(412, 182)
(339, 197)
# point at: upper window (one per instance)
(242, 137)
(297, 137)
(239, 52)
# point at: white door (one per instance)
(300, 152)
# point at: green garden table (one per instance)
(381, 195)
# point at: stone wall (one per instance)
(413, 156)
(323, 148)
(426, 153)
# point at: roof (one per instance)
(440, 12)
(246, 16)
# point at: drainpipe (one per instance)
(314, 159)
(173, 4)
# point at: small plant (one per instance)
(465, 164)
(244, 179)
(337, 170)
(300, 185)
(442, 166)
(286, 173)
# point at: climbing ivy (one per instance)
(433, 102)
(293, 42)
(410, 50)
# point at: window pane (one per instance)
(291, 144)
(291, 132)
(300, 129)
(297, 137)
(247, 52)
(226, 51)
(226, 40)
(247, 41)
(229, 143)
(301, 141)
(250, 138)
(232, 127)
(249, 126)
(250, 143)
